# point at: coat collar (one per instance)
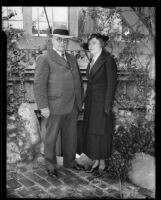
(56, 57)
(97, 65)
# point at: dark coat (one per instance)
(100, 93)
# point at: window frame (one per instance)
(50, 22)
(13, 20)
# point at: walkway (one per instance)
(31, 181)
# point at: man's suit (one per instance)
(58, 85)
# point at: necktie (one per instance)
(68, 65)
(91, 64)
(63, 55)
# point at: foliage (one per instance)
(17, 61)
(15, 69)
(129, 139)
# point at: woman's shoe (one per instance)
(102, 171)
(92, 169)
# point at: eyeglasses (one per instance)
(59, 39)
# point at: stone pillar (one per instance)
(27, 20)
(73, 13)
(74, 22)
(89, 26)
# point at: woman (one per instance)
(98, 124)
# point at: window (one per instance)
(16, 21)
(56, 15)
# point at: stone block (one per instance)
(99, 192)
(16, 175)
(39, 180)
(23, 192)
(12, 196)
(22, 169)
(54, 181)
(56, 193)
(103, 186)
(114, 193)
(142, 172)
(13, 152)
(68, 181)
(37, 192)
(41, 173)
(31, 123)
(26, 182)
(13, 184)
(10, 191)
(146, 192)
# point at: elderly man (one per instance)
(58, 93)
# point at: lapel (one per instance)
(55, 57)
(98, 64)
(87, 70)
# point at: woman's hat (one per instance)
(61, 31)
(104, 38)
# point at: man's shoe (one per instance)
(77, 167)
(52, 173)
(81, 166)
(92, 169)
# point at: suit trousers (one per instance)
(67, 125)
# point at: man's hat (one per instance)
(104, 38)
(61, 31)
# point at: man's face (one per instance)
(60, 43)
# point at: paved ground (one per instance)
(31, 181)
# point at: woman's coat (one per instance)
(100, 93)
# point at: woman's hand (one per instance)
(107, 109)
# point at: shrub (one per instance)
(128, 140)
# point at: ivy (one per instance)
(17, 61)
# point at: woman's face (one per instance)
(94, 46)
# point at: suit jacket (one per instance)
(57, 83)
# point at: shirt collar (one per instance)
(59, 52)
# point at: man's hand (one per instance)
(45, 112)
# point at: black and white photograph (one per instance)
(80, 102)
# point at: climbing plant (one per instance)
(17, 61)
(15, 72)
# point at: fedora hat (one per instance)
(61, 31)
(104, 38)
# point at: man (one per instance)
(59, 95)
